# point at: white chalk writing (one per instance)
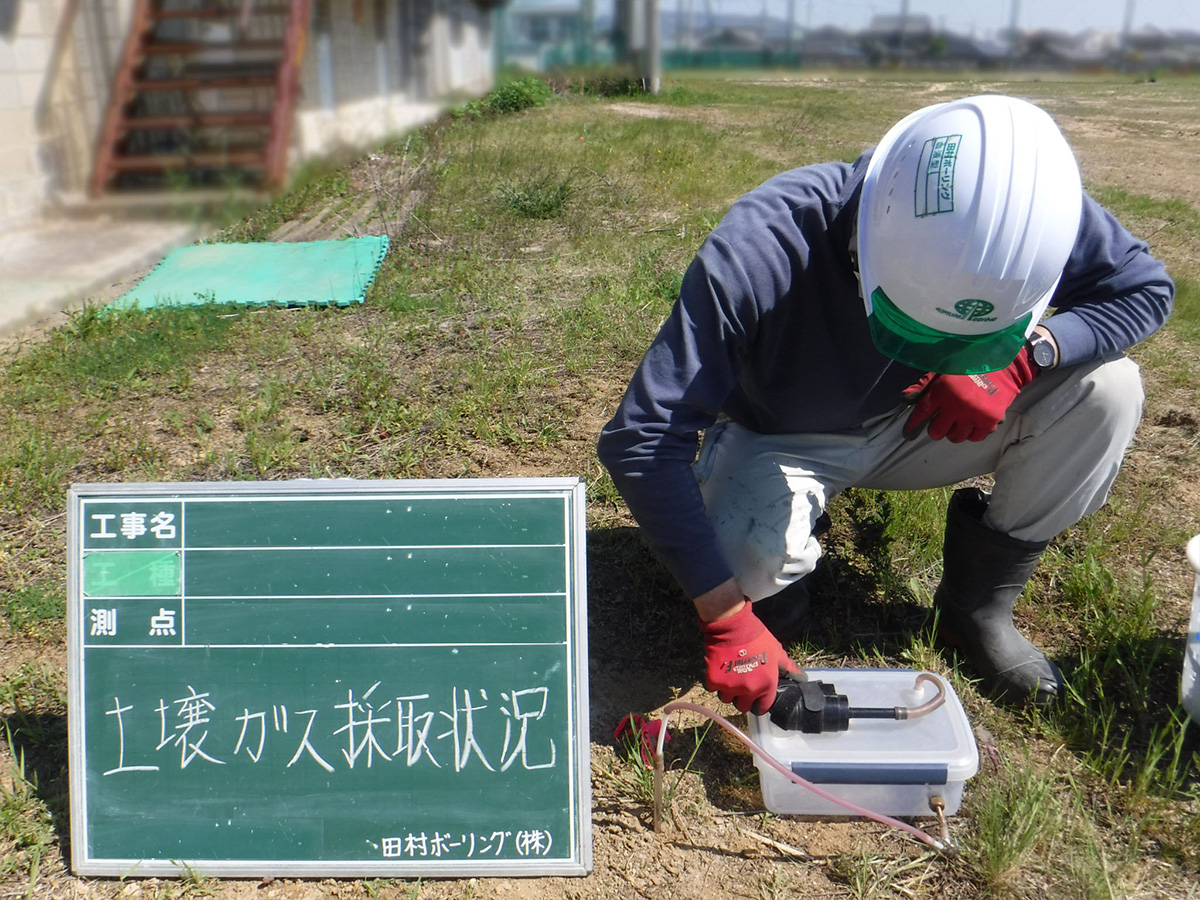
(364, 732)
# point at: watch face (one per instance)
(1043, 353)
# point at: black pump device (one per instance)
(815, 707)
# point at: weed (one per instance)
(1016, 817)
(26, 826)
(34, 467)
(37, 610)
(1185, 317)
(777, 886)
(607, 81)
(33, 688)
(868, 877)
(103, 354)
(516, 95)
(635, 773)
(375, 886)
(194, 883)
(542, 198)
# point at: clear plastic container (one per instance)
(1189, 684)
(888, 766)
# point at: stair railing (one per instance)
(122, 93)
(287, 91)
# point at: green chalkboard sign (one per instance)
(329, 678)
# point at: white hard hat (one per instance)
(969, 211)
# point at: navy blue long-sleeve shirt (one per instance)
(769, 329)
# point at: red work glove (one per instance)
(635, 733)
(743, 660)
(966, 407)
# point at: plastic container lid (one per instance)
(934, 749)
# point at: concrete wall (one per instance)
(50, 96)
(56, 62)
(387, 70)
(25, 44)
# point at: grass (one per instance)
(1014, 823)
(540, 198)
(534, 254)
(25, 824)
(36, 610)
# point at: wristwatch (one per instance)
(1042, 350)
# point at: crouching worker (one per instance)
(882, 324)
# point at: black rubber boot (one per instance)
(983, 573)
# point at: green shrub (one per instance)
(518, 95)
(522, 93)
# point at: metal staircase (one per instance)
(204, 96)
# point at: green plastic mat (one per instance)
(313, 273)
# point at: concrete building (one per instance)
(364, 69)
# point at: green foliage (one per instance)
(1185, 317)
(541, 198)
(597, 82)
(915, 525)
(617, 316)
(29, 694)
(523, 93)
(103, 353)
(26, 825)
(34, 707)
(679, 95)
(520, 94)
(38, 610)
(870, 877)
(635, 763)
(1014, 819)
(1172, 211)
(34, 467)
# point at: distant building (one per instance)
(893, 38)
(830, 47)
(1152, 48)
(540, 36)
(1061, 50)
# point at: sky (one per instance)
(982, 18)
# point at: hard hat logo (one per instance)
(971, 311)
(955, 282)
(934, 191)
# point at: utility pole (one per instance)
(1012, 33)
(903, 29)
(1125, 32)
(651, 53)
(790, 46)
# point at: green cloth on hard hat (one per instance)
(904, 339)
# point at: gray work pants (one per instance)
(1054, 458)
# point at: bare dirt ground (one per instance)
(717, 840)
